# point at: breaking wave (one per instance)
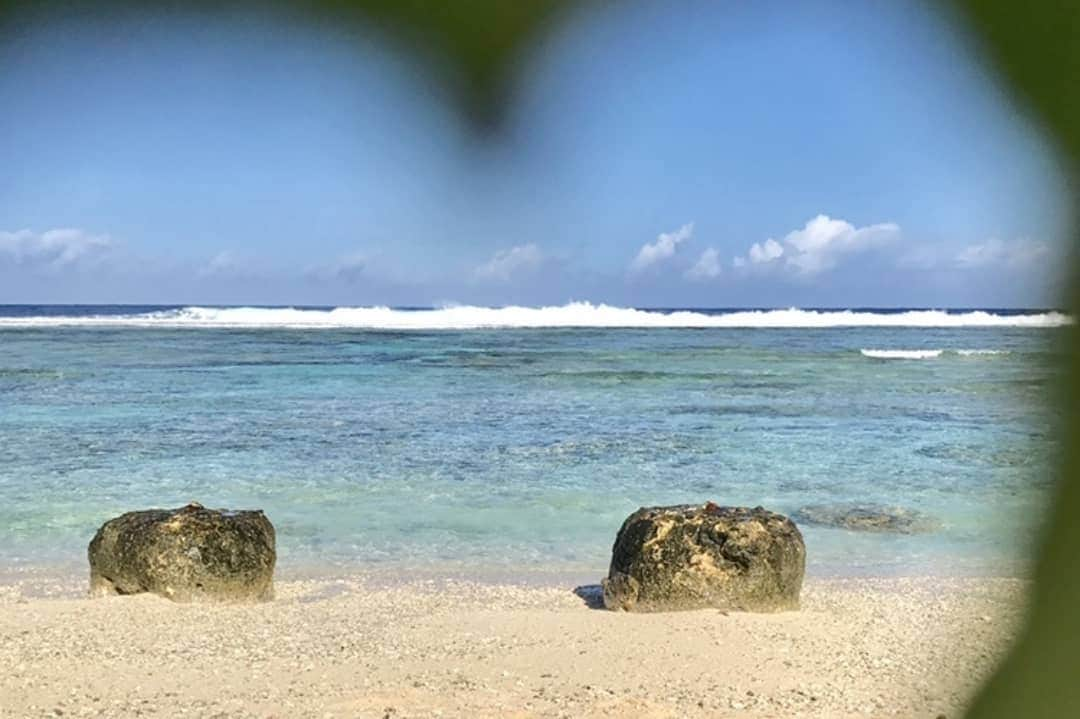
(927, 354)
(575, 314)
(902, 354)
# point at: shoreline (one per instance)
(70, 580)
(361, 647)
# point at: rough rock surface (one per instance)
(185, 554)
(867, 518)
(697, 556)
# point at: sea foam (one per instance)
(928, 354)
(574, 314)
(902, 354)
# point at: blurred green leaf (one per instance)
(483, 40)
(1036, 47)
(477, 45)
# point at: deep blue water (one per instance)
(517, 449)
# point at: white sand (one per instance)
(361, 648)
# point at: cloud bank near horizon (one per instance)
(54, 250)
(805, 260)
(506, 263)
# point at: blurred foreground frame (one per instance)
(475, 47)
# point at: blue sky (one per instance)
(686, 154)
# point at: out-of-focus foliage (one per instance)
(475, 45)
(482, 40)
(1037, 48)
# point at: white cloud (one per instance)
(223, 263)
(241, 266)
(349, 268)
(765, 252)
(508, 262)
(997, 253)
(707, 267)
(55, 249)
(921, 257)
(663, 249)
(819, 245)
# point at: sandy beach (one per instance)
(365, 647)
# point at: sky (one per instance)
(654, 155)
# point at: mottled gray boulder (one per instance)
(867, 518)
(185, 554)
(697, 556)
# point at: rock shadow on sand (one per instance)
(592, 595)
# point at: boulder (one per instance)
(867, 518)
(185, 554)
(698, 556)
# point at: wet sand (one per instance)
(364, 647)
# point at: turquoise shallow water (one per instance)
(519, 450)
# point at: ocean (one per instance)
(514, 441)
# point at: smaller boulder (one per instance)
(867, 518)
(706, 556)
(186, 554)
